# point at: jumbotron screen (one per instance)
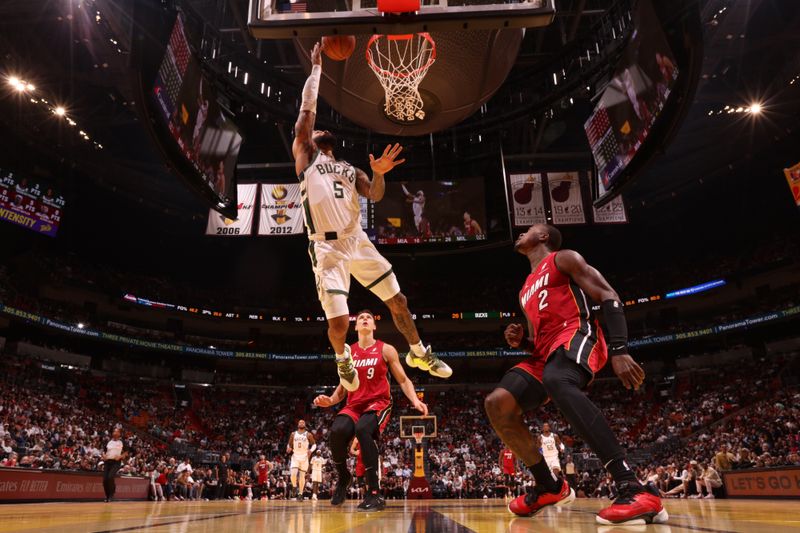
(634, 98)
(430, 211)
(28, 203)
(207, 138)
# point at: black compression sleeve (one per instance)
(616, 326)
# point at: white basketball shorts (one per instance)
(552, 462)
(334, 262)
(301, 463)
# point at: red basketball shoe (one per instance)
(635, 505)
(537, 499)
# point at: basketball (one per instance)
(338, 47)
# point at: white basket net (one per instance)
(401, 62)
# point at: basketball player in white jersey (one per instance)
(301, 445)
(550, 445)
(317, 462)
(338, 246)
(417, 202)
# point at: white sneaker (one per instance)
(314, 497)
(430, 363)
(348, 375)
(709, 496)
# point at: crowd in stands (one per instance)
(714, 420)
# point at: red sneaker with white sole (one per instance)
(537, 499)
(635, 505)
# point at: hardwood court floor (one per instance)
(457, 516)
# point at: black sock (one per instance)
(341, 469)
(372, 481)
(564, 380)
(619, 470)
(367, 430)
(544, 476)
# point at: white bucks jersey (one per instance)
(300, 444)
(549, 446)
(316, 464)
(330, 199)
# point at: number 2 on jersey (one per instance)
(542, 299)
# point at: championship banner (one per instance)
(611, 213)
(527, 199)
(219, 224)
(281, 209)
(566, 200)
(793, 178)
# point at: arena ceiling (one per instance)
(80, 58)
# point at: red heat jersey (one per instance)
(560, 315)
(509, 462)
(360, 468)
(372, 375)
(263, 472)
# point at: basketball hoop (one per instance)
(418, 432)
(400, 62)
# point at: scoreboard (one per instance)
(30, 204)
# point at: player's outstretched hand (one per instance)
(316, 55)
(628, 371)
(513, 334)
(421, 407)
(323, 401)
(388, 160)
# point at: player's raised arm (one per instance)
(595, 285)
(303, 146)
(375, 189)
(393, 362)
(290, 446)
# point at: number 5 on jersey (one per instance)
(338, 190)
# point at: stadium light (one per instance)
(81, 325)
(21, 86)
(60, 111)
(755, 108)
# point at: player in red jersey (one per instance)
(367, 410)
(471, 226)
(361, 470)
(508, 462)
(567, 348)
(262, 469)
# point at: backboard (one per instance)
(414, 424)
(284, 19)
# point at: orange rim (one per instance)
(400, 37)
